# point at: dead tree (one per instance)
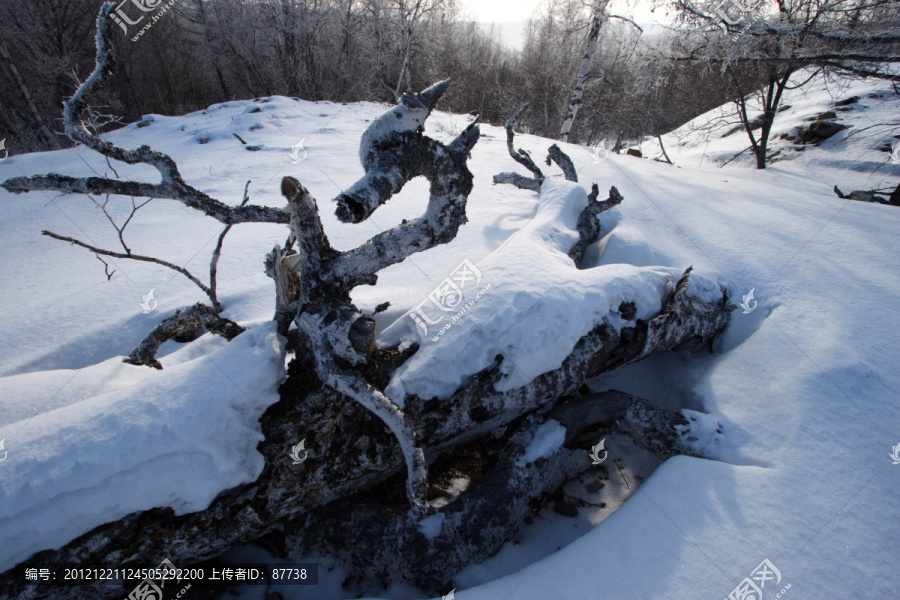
(334, 394)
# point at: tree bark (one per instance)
(598, 17)
(378, 542)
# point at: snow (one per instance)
(175, 438)
(548, 437)
(431, 526)
(803, 389)
(538, 306)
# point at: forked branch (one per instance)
(172, 185)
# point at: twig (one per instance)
(214, 262)
(105, 267)
(149, 259)
(616, 462)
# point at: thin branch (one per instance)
(105, 267)
(627, 20)
(214, 261)
(139, 257)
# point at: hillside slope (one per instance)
(801, 393)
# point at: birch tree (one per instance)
(598, 17)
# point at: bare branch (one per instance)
(185, 324)
(131, 256)
(105, 267)
(172, 185)
(214, 261)
(521, 156)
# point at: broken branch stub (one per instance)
(522, 157)
(183, 324)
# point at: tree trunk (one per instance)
(598, 17)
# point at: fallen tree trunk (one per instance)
(379, 542)
(332, 424)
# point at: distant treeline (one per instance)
(200, 52)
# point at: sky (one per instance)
(512, 14)
(500, 11)
(508, 11)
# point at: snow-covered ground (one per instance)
(804, 388)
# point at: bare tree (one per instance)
(774, 40)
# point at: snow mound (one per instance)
(532, 307)
(174, 438)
